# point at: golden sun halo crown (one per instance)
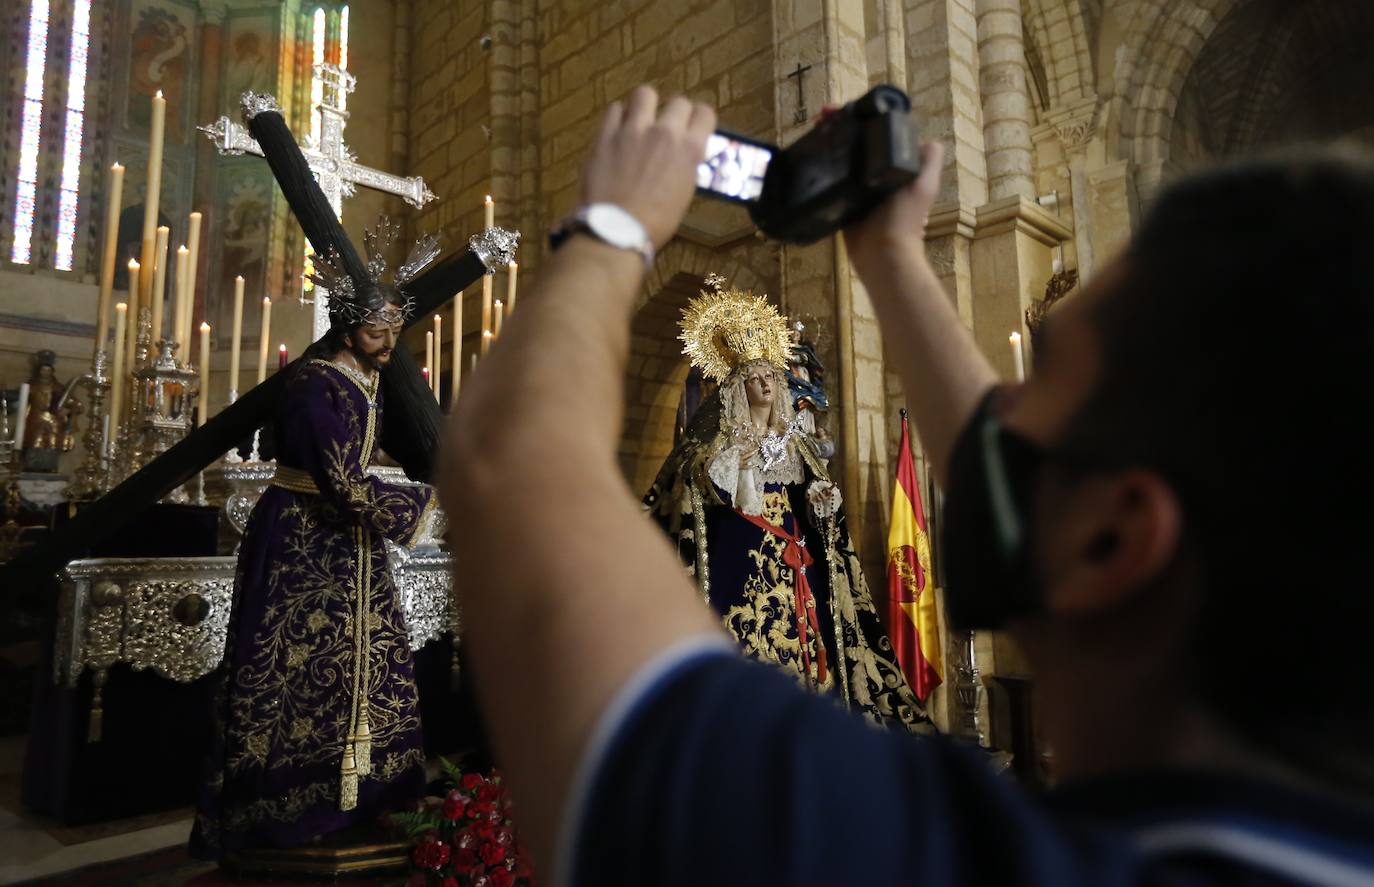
(725, 328)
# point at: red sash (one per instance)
(797, 557)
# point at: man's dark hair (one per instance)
(1238, 360)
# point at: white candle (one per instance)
(117, 371)
(135, 285)
(500, 316)
(150, 198)
(236, 335)
(486, 342)
(511, 269)
(1018, 357)
(488, 213)
(179, 304)
(107, 258)
(193, 244)
(22, 416)
(486, 310)
(263, 338)
(429, 359)
(203, 401)
(438, 362)
(159, 292)
(457, 347)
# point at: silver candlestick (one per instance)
(92, 479)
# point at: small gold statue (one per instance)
(50, 427)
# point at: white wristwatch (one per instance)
(608, 223)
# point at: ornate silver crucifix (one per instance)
(334, 166)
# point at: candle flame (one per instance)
(282, 347)
(121, 306)
(204, 327)
(498, 303)
(238, 277)
(159, 94)
(267, 300)
(1015, 338)
(513, 266)
(116, 165)
(182, 249)
(486, 333)
(133, 264)
(487, 199)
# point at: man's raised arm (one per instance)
(943, 374)
(567, 590)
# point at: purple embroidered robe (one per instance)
(319, 725)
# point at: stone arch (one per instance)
(657, 367)
(654, 380)
(1060, 34)
(1166, 37)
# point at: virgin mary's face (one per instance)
(759, 383)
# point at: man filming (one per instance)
(1194, 619)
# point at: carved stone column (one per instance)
(1076, 125)
(1006, 102)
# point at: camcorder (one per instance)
(834, 175)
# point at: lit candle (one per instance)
(424, 371)
(135, 284)
(179, 304)
(117, 371)
(500, 315)
(22, 416)
(193, 242)
(1018, 357)
(107, 258)
(429, 358)
(263, 338)
(203, 402)
(281, 356)
(457, 347)
(438, 362)
(488, 213)
(511, 269)
(486, 309)
(486, 344)
(150, 199)
(159, 292)
(237, 334)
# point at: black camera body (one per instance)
(840, 170)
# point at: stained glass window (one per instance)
(316, 85)
(343, 52)
(316, 122)
(26, 189)
(71, 140)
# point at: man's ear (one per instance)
(1111, 536)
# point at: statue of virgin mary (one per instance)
(760, 526)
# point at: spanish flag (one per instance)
(912, 618)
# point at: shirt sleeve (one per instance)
(623, 709)
(720, 771)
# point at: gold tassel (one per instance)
(348, 783)
(95, 726)
(364, 744)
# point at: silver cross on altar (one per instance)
(334, 166)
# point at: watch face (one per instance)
(614, 225)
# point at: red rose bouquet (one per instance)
(465, 838)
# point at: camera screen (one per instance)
(732, 168)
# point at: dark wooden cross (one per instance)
(801, 115)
